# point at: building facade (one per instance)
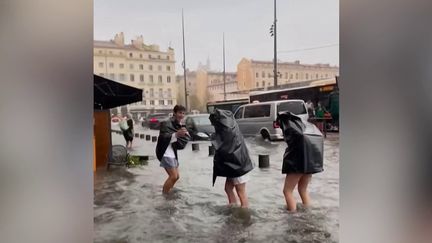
(141, 66)
(215, 86)
(253, 75)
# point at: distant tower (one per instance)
(208, 63)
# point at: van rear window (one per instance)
(295, 107)
(257, 111)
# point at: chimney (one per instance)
(138, 42)
(119, 39)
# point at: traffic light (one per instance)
(272, 30)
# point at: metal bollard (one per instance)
(212, 150)
(154, 139)
(141, 136)
(264, 161)
(148, 137)
(195, 147)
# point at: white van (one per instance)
(260, 118)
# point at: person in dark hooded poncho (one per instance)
(303, 156)
(172, 137)
(231, 158)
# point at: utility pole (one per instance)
(184, 63)
(275, 72)
(224, 79)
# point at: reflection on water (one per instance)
(129, 205)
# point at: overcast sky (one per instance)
(302, 24)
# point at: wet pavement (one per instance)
(129, 205)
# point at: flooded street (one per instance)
(129, 205)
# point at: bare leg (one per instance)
(302, 189)
(229, 189)
(241, 192)
(291, 181)
(171, 180)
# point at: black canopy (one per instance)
(109, 94)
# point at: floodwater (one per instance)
(129, 205)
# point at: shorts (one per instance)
(240, 180)
(168, 162)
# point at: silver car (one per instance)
(260, 118)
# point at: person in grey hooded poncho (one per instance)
(231, 158)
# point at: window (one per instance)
(291, 76)
(121, 65)
(256, 75)
(257, 84)
(141, 67)
(160, 92)
(292, 106)
(255, 111)
(160, 79)
(161, 102)
(140, 55)
(268, 75)
(130, 54)
(307, 75)
(159, 68)
(170, 102)
(151, 92)
(326, 75)
(158, 56)
(168, 59)
(150, 56)
(151, 78)
(263, 83)
(112, 76)
(168, 68)
(122, 76)
(239, 113)
(263, 74)
(168, 79)
(132, 77)
(150, 67)
(269, 84)
(169, 92)
(297, 76)
(142, 78)
(100, 52)
(111, 65)
(131, 66)
(151, 102)
(286, 75)
(101, 64)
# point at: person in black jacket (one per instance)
(231, 158)
(172, 136)
(303, 156)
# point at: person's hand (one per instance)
(182, 132)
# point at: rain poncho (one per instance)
(304, 153)
(231, 157)
(167, 129)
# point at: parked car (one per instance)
(260, 118)
(153, 120)
(199, 126)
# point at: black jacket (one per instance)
(304, 153)
(231, 157)
(167, 129)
